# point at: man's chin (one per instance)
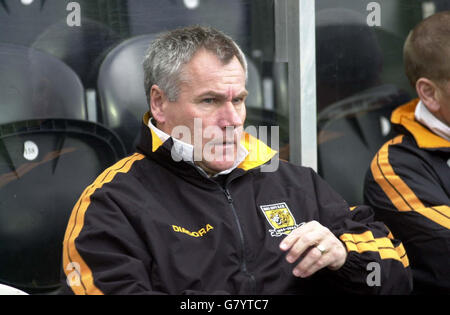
(214, 167)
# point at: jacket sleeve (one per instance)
(103, 252)
(376, 262)
(411, 200)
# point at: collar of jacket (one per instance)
(151, 145)
(425, 139)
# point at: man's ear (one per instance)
(157, 103)
(428, 92)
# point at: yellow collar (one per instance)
(259, 152)
(404, 115)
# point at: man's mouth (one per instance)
(227, 144)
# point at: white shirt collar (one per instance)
(185, 151)
(424, 116)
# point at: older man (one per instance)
(408, 183)
(196, 211)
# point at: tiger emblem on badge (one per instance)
(280, 218)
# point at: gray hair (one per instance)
(167, 54)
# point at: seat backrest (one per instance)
(22, 21)
(44, 167)
(36, 85)
(122, 94)
(121, 88)
(350, 134)
(44, 25)
(49, 153)
(81, 48)
(353, 104)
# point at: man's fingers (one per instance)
(316, 246)
(301, 239)
(290, 240)
(313, 261)
(296, 251)
(329, 253)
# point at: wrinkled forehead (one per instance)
(207, 70)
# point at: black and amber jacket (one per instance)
(408, 185)
(151, 225)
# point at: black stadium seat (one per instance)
(35, 85)
(22, 21)
(42, 24)
(44, 167)
(121, 88)
(49, 153)
(350, 133)
(353, 102)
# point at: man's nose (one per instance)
(230, 115)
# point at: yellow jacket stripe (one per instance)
(398, 192)
(70, 254)
(438, 214)
(367, 242)
(394, 187)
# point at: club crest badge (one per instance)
(280, 218)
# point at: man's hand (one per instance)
(317, 246)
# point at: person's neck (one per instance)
(207, 170)
(439, 116)
(435, 123)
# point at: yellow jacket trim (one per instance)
(76, 223)
(393, 186)
(156, 141)
(258, 152)
(367, 242)
(438, 214)
(404, 115)
(398, 192)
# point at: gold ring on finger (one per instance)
(321, 249)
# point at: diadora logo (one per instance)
(198, 233)
(280, 218)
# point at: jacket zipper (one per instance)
(241, 234)
(242, 240)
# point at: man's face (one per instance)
(212, 94)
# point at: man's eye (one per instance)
(238, 101)
(208, 100)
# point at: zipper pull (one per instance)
(227, 193)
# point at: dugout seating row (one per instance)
(50, 150)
